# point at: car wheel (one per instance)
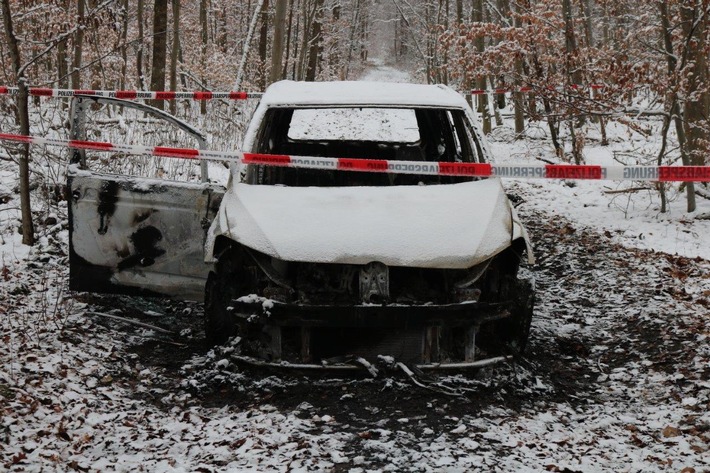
(516, 329)
(222, 287)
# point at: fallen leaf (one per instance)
(671, 431)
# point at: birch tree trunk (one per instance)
(247, 45)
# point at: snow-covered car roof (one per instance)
(347, 93)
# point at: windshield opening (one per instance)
(393, 134)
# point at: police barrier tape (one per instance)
(511, 171)
(133, 94)
(206, 95)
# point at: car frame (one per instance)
(316, 268)
(265, 286)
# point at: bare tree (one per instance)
(315, 41)
(24, 121)
(160, 26)
(277, 47)
(204, 40)
(263, 43)
(694, 16)
(247, 45)
(139, 54)
(175, 49)
(481, 81)
(78, 45)
(174, 52)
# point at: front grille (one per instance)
(339, 284)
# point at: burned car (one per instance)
(315, 264)
(307, 266)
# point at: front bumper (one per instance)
(265, 311)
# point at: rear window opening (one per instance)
(393, 134)
(387, 125)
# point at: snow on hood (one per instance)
(439, 226)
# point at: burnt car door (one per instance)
(134, 235)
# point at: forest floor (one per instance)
(615, 378)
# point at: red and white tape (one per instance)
(133, 94)
(510, 171)
(205, 95)
(526, 89)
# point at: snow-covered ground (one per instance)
(616, 377)
(633, 218)
(378, 70)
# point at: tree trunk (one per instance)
(481, 82)
(124, 46)
(315, 42)
(204, 37)
(364, 35)
(334, 58)
(573, 71)
(62, 58)
(277, 47)
(588, 24)
(518, 97)
(247, 46)
(174, 50)
(570, 43)
(674, 108)
(446, 51)
(263, 43)
(78, 46)
(351, 45)
(28, 237)
(289, 33)
(297, 31)
(302, 55)
(139, 57)
(695, 111)
(160, 26)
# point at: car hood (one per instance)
(437, 226)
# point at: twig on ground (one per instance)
(627, 191)
(548, 161)
(702, 193)
(131, 321)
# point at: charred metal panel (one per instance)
(139, 236)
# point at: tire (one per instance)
(512, 333)
(224, 285)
